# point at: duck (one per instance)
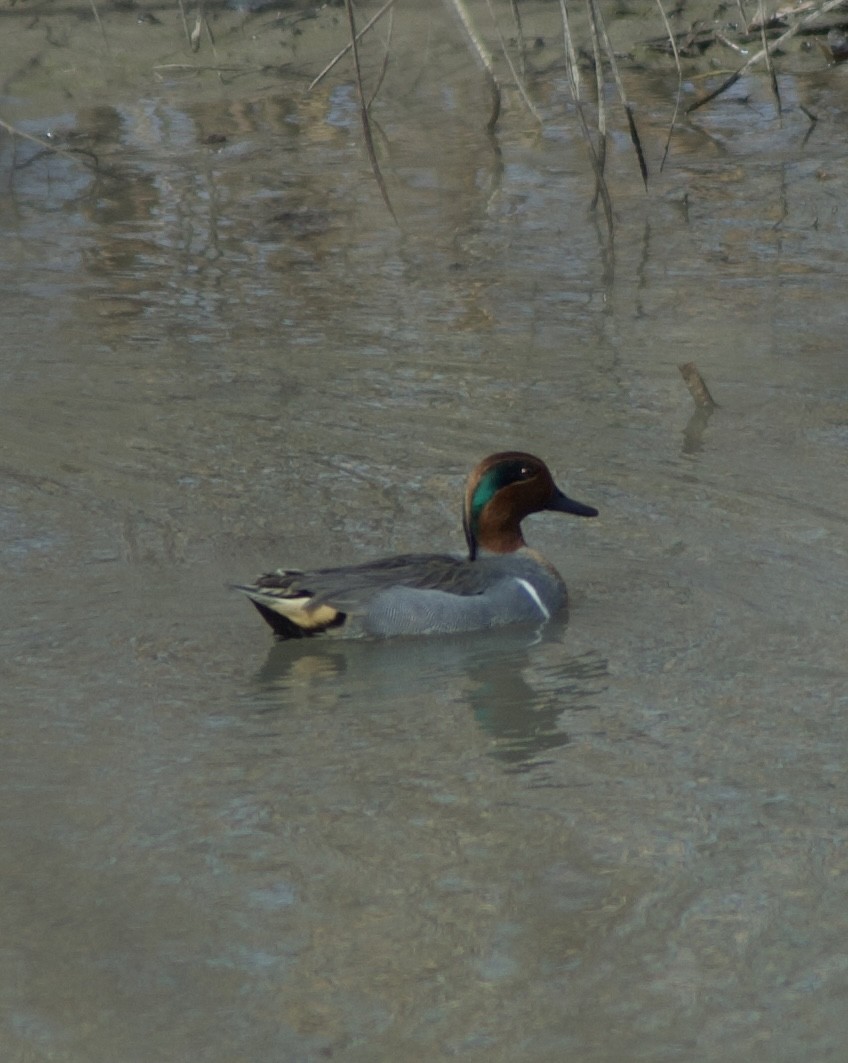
(501, 580)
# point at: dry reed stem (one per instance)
(485, 57)
(519, 34)
(677, 99)
(519, 82)
(381, 77)
(573, 74)
(340, 55)
(769, 64)
(598, 22)
(599, 94)
(185, 22)
(364, 116)
(100, 25)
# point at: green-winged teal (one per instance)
(501, 581)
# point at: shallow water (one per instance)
(620, 837)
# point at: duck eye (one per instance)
(525, 472)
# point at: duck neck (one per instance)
(489, 535)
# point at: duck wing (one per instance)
(350, 587)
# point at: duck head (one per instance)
(504, 489)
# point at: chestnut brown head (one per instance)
(504, 489)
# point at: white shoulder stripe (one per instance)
(534, 594)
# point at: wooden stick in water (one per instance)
(697, 388)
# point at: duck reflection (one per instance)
(520, 685)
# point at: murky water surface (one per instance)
(623, 837)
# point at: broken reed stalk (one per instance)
(697, 388)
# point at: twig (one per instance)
(732, 45)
